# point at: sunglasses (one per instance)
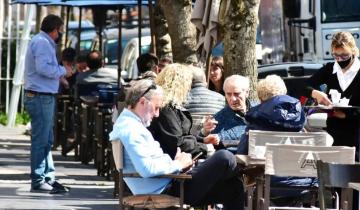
(151, 87)
(342, 56)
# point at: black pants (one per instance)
(215, 180)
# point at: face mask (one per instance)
(57, 40)
(344, 63)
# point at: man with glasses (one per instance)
(42, 75)
(214, 180)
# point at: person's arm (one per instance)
(45, 60)
(318, 78)
(169, 132)
(147, 157)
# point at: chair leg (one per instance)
(181, 195)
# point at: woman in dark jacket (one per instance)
(342, 76)
(277, 112)
(172, 127)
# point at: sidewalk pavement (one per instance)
(88, 191)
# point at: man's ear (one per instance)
(142, 100)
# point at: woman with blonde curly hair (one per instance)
(276, 112)
(172, 127)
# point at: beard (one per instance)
(147, 117)
(147, 123)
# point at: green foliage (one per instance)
(3, 118)
(21, 118)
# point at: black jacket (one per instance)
(344, 131)
(172, 129)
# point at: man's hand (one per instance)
(69, 70)
(212, 139)
(64, 82)
(321, 97)
(209, 125)
(184, 159)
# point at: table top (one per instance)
(331, 107)
(248, 161)
(354, 185)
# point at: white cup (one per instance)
(335, 96)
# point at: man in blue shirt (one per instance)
(216, 180)
(42, 75)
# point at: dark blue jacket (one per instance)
(279, 113)
(231, 125)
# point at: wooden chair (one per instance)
(337, 175)
(145, 200)
(300, 161)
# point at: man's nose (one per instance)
(233, 98)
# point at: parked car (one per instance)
(130, 54)
(293, 74)
(111, 42)
(87, 36)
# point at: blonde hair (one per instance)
(175, 79)
(344, 39)
(271, 86)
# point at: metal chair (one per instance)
(145, 200)
(300, 161)
(337, 175)
(256, 155)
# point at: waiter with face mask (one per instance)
(341, 76)
(42, 75)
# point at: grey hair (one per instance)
(242, 81)
(138, 88)
(198, 75)
(271, 86)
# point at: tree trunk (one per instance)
(163, 40)
(239, 19)
(181, 30)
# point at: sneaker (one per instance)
(44, 187)
(58, 188)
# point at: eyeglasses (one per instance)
(151, 87)
(342, 56)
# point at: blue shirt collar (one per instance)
(46, 35)
(128, 113)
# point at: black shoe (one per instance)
(58, 188)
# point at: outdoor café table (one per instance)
(257, 165)
(322, 108)
(327, 109)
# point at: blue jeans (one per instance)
(41, 109)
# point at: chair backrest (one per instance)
(259, 139)
(117, 149)
(337, 175)
(300, 160)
